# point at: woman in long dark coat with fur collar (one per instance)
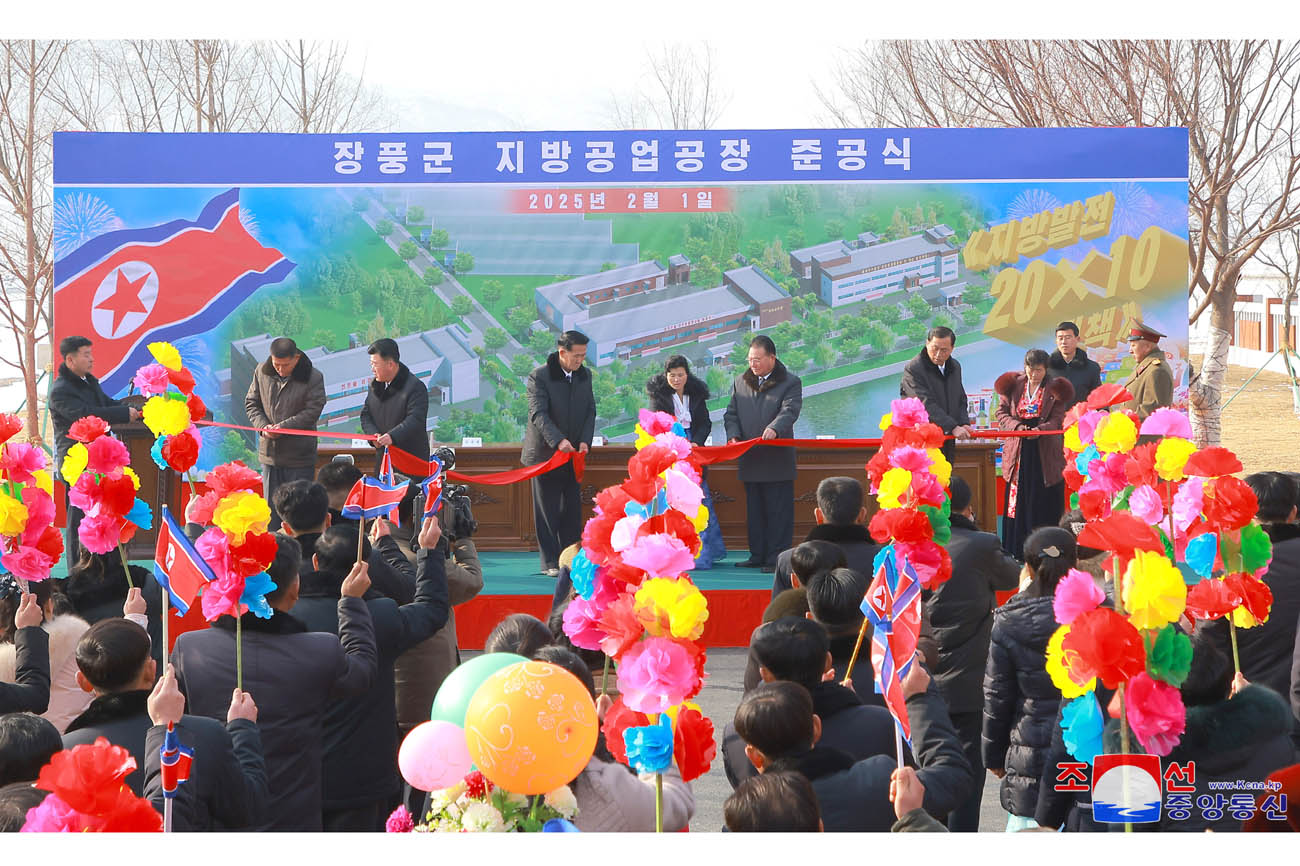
(1032, 467)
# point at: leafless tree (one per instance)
(26, 122)
(681, 90)
(1235, 98)
(313, 93)
(1282, 256)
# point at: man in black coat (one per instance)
(27, 743)
(74, 395)
(840, 518)
(798, 650)
(561, 417)
(295, 674)
(781, 730)
(286, 392)
(397, 409)
(360, 771)
(765, 402)
(934, 378)
(30, 690)
(227, 787)
(961, 616)
(1071, 362)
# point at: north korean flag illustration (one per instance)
(126, 289)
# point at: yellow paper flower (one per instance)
(684, 705)
(671, 607)
(701, 519)
(939, 466)
(886, 420)
(240, 513)
(44, 481)
(1116, 433)
(130, 473)
(1154, 591)
(893, 484)
(1171, 457)
(642, 438)
(1057, 670)
(13, 515)
(74, 463)
(166, 417)
(1072, 440)
(166, 354)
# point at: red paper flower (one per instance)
(612, 500)
(88, 777)
(693, 746)
(181, 451)
(9, 425)
(231, 477)
(1211, 599)
(1073, 479)
(131, 814)
(619, 718)
(878, 465)
(1121, 533)
(50, 543)
(1140, 465)
(1107, 645)
(641, 489)
(106, 455)
(906, 525)
(88, 429)
(477, 785)
(1229, 503)
(1094, 503)
(673, 523)
(114, 496)
(1255, 595)
(595, 536)
(700, 657)
(1209, 462)
(255, 555)
(651, 460)
(198, 410)
(182, 379)
(1108, 395)
(621, 627)
(932, 563)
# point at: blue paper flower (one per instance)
(156, 452)
(140, 515)
(254, 595)
(1088, 455)
(636, 508)
(1201, 552)
(678, 429)
(650, 747)
(583, 574)
(1082, 723)
(659, 505)
(559, 825)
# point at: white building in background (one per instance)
(842, 272)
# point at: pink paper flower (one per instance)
(152, 380)
(675, 444)
(53, 816)
(691, 472)
(1146, 504)
(659, 555)
(214, 547)
(911, 459)
(624, 533)
(28, 563)
(656, 674)
(927, 490)
(1189, 502)
(106, 455)
(1088, 422)
(684, 494)
(1167, 422)
(655, 423)
(1156, 713)
(40, 513)
(908, 413)
(932, 563)
(19, 460)
(221, 596)
(581, 623)
(400, 821)
(100, 533)
(200, 508)
(1076, 593)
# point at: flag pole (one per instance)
(168, 796)
(898, 743)
(853, 659)
(361, 537)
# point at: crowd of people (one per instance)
(362, 632)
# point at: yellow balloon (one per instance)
(531, 728)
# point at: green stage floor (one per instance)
(516, 574)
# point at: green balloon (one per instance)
(452, 700)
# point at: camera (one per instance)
(447, 456)
(455, 515)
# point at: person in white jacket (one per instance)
(613, 798)
(67, 700)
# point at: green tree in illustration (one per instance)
(972, 316)
(880, 337)
(521, 365)
(834, 229)
(607, 266)
(384, 228)
(376, 329)
(492, 291)
(433, 276)
(361, 204)
(464, 263)
(541, 343)
(414, 214)
(438, 238)
(322, 337)
(461, 306)
(233, 447)
(408, 250)
(520, 319)
(919, 307)
(494, 339)
(974, 294)
(888, 313)
(740, 351)
(823, 354)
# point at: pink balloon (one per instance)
(434, 756)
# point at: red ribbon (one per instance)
(705, 455)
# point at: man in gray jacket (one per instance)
(765, 402)
(934, 378)
(287, 392)
(561, 417)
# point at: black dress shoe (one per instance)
(768, 566)
(747, 563)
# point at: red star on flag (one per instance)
(125, 298)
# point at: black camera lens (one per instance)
(446, 455)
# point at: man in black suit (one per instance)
(74, 395)
(561, 417)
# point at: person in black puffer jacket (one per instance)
(1020, 701)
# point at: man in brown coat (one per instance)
(286, 392)
(1152, 384)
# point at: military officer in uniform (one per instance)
(1152, 383)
